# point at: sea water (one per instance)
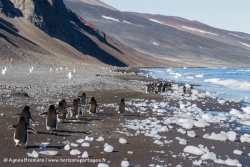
(228, 83)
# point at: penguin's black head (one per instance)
(75, 101)
(27, 108)
(52, 107)
(122, 100)
(84, 94)
(64, 102)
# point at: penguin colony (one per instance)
(158, 88)
(54, 115)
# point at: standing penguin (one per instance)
(83, 99)
(74, 109)
(184, 89)
(26, 114)
(21, 132)
(51, 118)
(93, 106)
(122, 106)
(148, 88)
(62, 109)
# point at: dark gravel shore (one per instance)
(146, 113)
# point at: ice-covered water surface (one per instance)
(232, 83)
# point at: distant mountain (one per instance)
(179, 41)
(47, 32)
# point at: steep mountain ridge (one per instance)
(68, 29)
(188, 43)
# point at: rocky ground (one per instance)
(157, 128)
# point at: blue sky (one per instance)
(233, 15)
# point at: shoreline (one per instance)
(108, 89)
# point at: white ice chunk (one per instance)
(245, 138)
(214, 136)
(246, 109)
(122, 141)
(85, 154)
(231, 162)
(44, 144)
(238, 152)
(191, 133)
(89, 138)
(200, 124)
(80, 141)
(85, 144)
(100, 139)
(75, 152)
(48, 152)
(102, 165)
(124, 163)
(197, 162)
(193, 150)
(209, 155)
(234, 112)
(67, 147)
(74, 144)
(219, 161)
(33, 154)
(109, 148)
(231, 135)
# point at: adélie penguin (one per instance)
(26, 114)
(51, 118)
(21, 132)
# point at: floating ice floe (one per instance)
(194, 150)
(48, 152)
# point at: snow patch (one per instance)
(201, 31)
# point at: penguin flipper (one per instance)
(30, 129)
(12, 127)
(44, 114)
(16, 115)
(32, 120)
